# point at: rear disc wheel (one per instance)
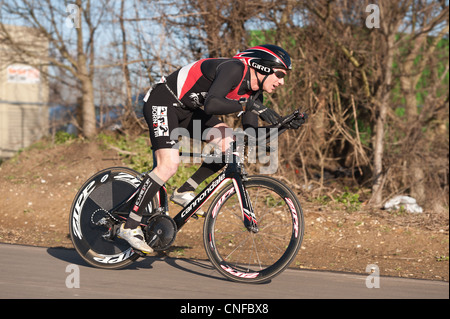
(92, 229)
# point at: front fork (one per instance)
(238, 175)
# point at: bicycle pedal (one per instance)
(201, 214)
(175, 203)
(140, 253)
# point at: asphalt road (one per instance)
(46, 273)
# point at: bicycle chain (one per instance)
(97, 210)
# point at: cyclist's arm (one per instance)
(254, 130)
(227, 77)
(250, 120)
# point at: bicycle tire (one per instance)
(99, 194)
(281, 228)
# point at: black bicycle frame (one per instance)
(234, 172)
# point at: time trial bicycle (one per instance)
(252, 231)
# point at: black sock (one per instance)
(188, 186)
(149, 187)
(204, 171)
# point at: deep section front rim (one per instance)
(245, 256)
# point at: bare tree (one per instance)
(77, 57)
(214, 28)
(419, 47)
(373, 54)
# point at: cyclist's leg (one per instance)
(161, 118)
(130, 231)
(220, 135)
(215, 132)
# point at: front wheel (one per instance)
(253, 257)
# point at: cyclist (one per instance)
(222, 86)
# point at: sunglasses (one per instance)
(279, 74)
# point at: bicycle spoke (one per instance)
(256, 251)
(254, 244)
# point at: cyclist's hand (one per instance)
(298, 121)
(269, 115)
(266, 114)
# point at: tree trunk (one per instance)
(88, 107)
(410, 76)
(87, 89)
(385, 96)
(125, 69)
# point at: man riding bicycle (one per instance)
(222, 86)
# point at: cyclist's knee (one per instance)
(166, 170)
(226, 143)
(167, 163)
(221, 135)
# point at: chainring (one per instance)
(161, 232)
